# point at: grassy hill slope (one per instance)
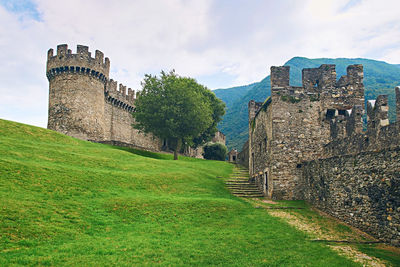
(379, 78)
(69, 202)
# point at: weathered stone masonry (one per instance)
(293, 125)
(243, 156)
(361, 189)
(308, 143)
(86, 104)
(358, 179)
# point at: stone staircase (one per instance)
(239, 184)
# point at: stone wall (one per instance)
(260, 136)
(76, 92)
(86, 104)
(398, 101)
(388, 137)
(362, 190)
(194, 152)
(243, 156)
(120, 129)
(76, 107)
(219, 137)
(358, 177)
(297, 136)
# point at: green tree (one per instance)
(216, 151)
(177, 109)
(218, 111)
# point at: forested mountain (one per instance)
(379, 78)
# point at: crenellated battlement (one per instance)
(119, 95)
(379, 135)
(319, 84)
(354, 121)
(280, 76)
(80, 63)
(377, 113)
(337, 107)
(253, 108)
(317, 79)
(314, 80)
(65, 62)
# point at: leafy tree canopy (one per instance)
(177, 109)
(217, 111)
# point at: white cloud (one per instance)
(235, 40)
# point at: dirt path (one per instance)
(322, 227)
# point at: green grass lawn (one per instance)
(69, 202)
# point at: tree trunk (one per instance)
(177, 148)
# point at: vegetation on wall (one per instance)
(289, 98)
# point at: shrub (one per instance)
(215, 151)
(289, 98)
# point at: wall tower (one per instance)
(76, 92)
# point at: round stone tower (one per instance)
(76, 92)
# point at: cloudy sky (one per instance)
(221, 43)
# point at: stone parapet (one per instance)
(80, 63)
(379, 135)
(280, 76)
(122, 98)
(387, 137)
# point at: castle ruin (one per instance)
(308, 143)
(293, 125)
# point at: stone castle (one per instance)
(85, 103)
(308, 143)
